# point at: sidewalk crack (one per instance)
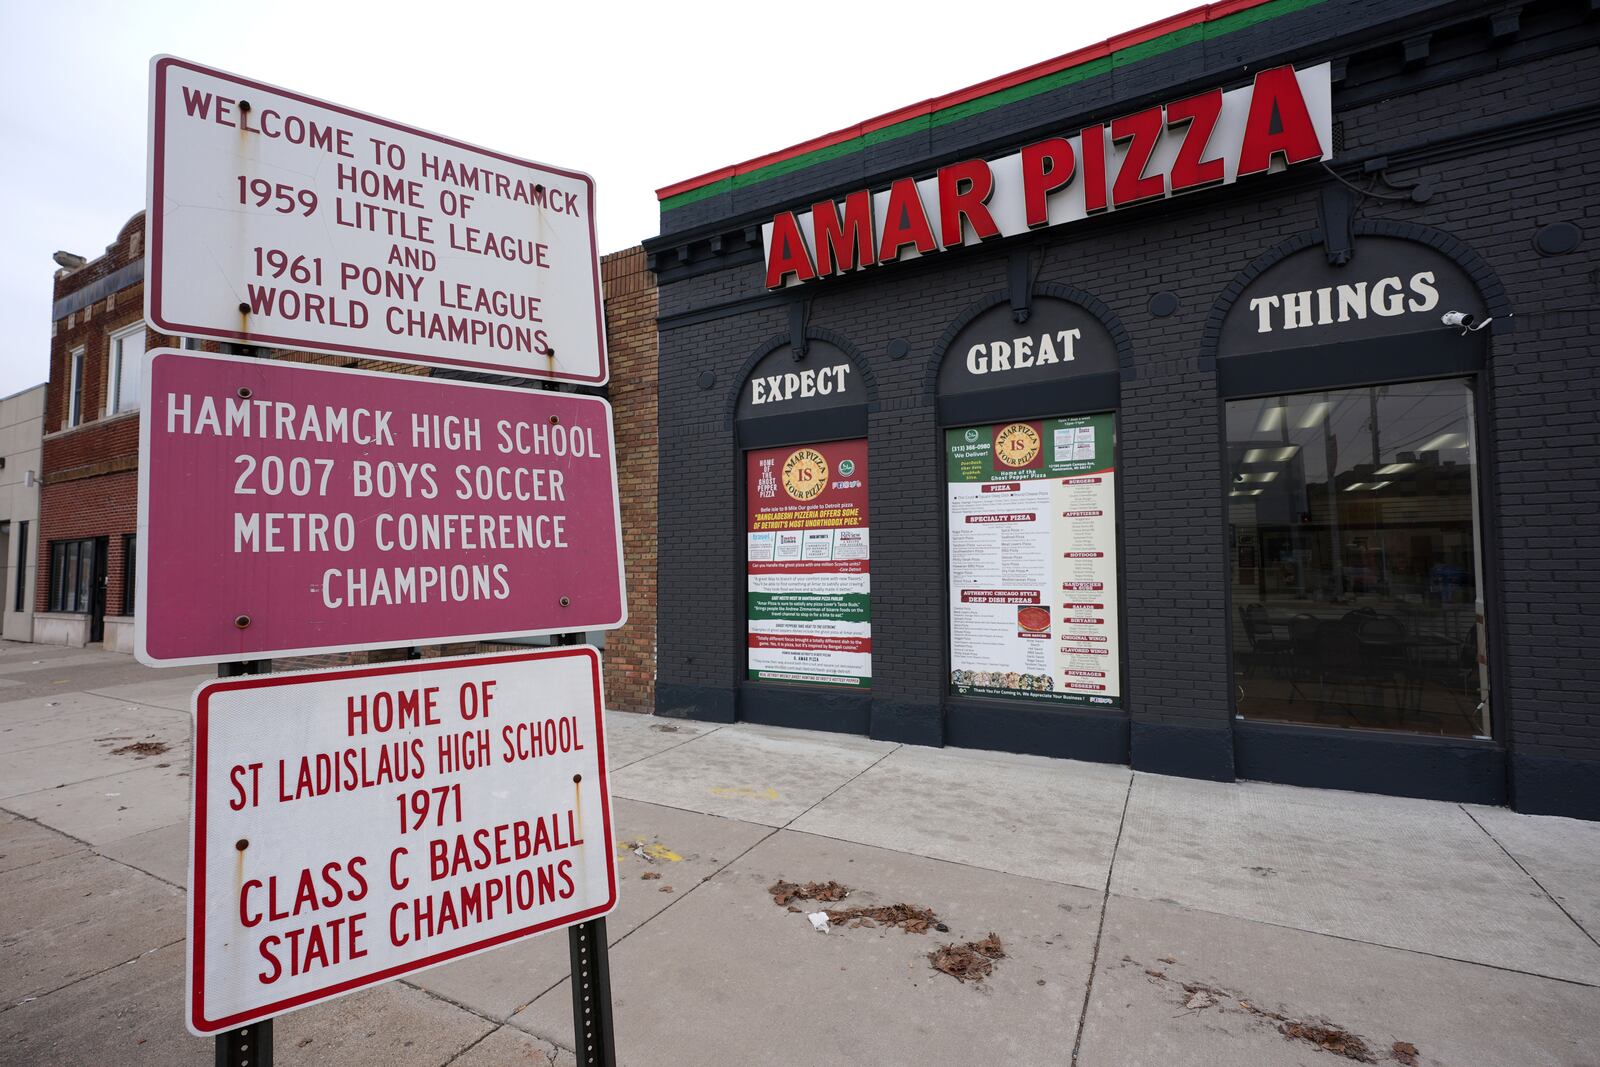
(1105, 903)
(686, 741)
(85, 977)
(1552, 897)
(840, 786)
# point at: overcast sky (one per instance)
(638, 95)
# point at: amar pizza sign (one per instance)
(1284, 118)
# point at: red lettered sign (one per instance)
(287, 508)
(279, 219)
(352, 826)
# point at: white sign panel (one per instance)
(352, 826)
(277, 219)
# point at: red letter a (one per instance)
(786, 252)
(1278, 123)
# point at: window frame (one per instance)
(19, 597)
(1485, 551)
(130, 573)
(75, 359)
(67, 561)
(116, 359)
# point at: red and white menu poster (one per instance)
(808, 553)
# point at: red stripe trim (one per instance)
(1182, 20)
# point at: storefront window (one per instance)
(1355, 558)
(71, 575)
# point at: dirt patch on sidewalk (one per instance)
(141, 749)
(911, 918)
(1197, 998)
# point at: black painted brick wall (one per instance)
(1228, 58)
(1493, 193)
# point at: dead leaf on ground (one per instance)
(1198, 996)
(1330, 1039)
(649, 876)
(784, 892)
(908, 917)
(971, 962)
(989, 946)
(141, 749)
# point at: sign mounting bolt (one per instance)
(242, 844)
(555, 420)
(566, 601)
(241, 621)
(244, 309)
(245, 392)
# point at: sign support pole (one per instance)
(587, 945)
(591, 995)
(248, 1046)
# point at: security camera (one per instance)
(1468, 322)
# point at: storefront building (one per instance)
(1219, 399)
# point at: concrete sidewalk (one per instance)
(1145, 920)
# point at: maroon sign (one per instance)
(290, 509)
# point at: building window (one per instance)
(130, 572)
(1355, 558)
(122, 381)
(75, 387)
(71, 575)
(20, 596)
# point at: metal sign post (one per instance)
(248, 1046)
(294, 509)
(591, 994)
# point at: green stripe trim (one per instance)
(1094, 68)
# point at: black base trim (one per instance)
(1067, 396)
(1431, 768)
(909, 724)
(806, 707)
(1037, 730)
(1554, 785)
(1183, 751)
(829, 424)
(1438, 353)
(704, 703)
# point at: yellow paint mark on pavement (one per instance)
(653, 850)
(751, 791)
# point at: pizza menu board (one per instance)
(808, 556)
(1033, 560)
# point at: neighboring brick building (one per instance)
(630, 289)
(1359, 554)
(89, 503)
(88, 510)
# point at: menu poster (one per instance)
(1033, 560)
(807, 564)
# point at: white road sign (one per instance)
(351, 826)
(277, 219)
